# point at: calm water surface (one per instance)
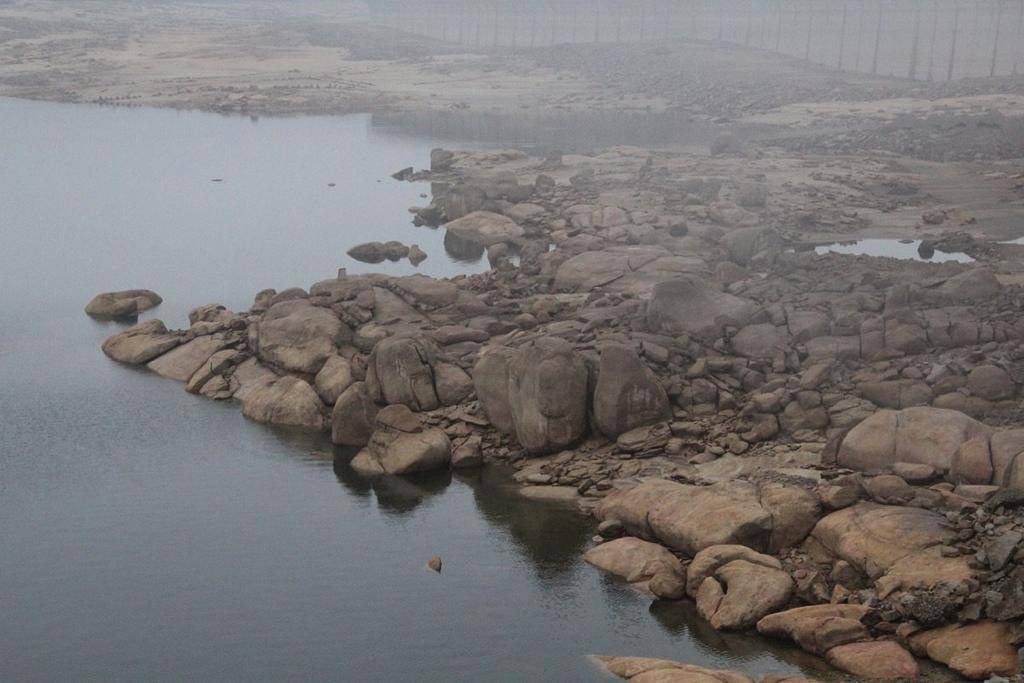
(146, 534)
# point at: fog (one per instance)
(457, 340)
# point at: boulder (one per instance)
(977, 651)
(183, 361)
(930, 436)
(631, 506)
(880, 660)
(873, 537)
(451, 383)
(547, 394)
(991, 383)
(741, 593)
(401, 445)
(627, 394)
(696, 517)
(690, 305)
(353, 416)
(818, 628)
(711, 559)
(468, 454)
(285, 401)
(297, 336)
(639, 562)
(743, 244)
(124, 304)
(401, 371)
(649, 670)
(760, 341)
(368, 252)
(974, 285)
(794, 512)
(141, 343)
(490, 381)
(333, 379)
(485, 228)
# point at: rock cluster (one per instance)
(819, 447)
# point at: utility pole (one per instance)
(952, 46)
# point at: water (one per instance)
(147, 534)
(899, 249)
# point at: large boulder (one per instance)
(690, 305)
(485, 228)
(490, 380)
(141, 343)
(818, 628)
(401, 445)
(643, 564)
(547, 385)
(1007, 458)
(929, 436)
(333, 379)
(874, 537)
(696, 517)
(738, 594)
(297, 336)
(353, 416)
(765, 517)
(124, 304)
(631, 506)
(286, 401)
(627, 394)
(401, 371)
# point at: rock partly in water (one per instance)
(645, 565)
(142, 343)
(125, 304)
(285, 401)
(401, 445)
(353, 416)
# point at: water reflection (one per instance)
(552, 536)
(682, 619)
(394, 495)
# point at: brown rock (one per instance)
(818, 628)
(879, 660)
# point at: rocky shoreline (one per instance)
(825, 448)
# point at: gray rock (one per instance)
(124, 304)
(353, 416)
(547, 394)
(627, 394)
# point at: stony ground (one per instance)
(824, 448)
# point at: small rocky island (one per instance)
(821, 448)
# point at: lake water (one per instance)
(147, 534)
